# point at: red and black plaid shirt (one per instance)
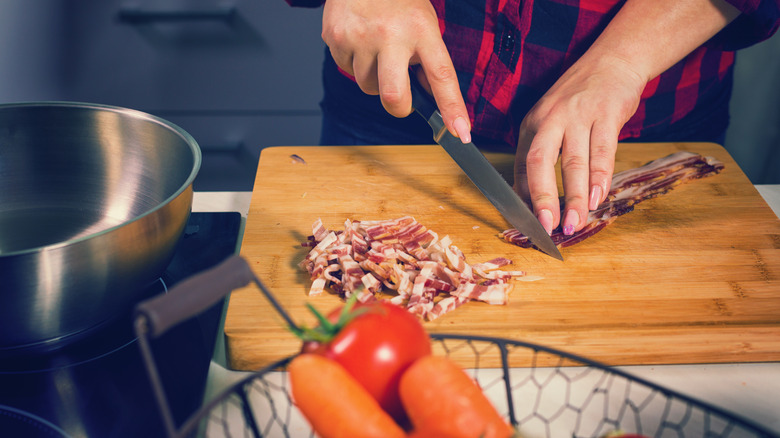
(508, 53)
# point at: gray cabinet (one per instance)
(238, 75)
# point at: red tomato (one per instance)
(376, 347)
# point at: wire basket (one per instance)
(554, 393)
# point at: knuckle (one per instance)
(602, 152)
(392, 97)
(601, 163)
(574, 163)
(335, 35)
(576, 200)
(535, 157)
(441, 73)
(531, 122)
(545, 199)
(599, 173)
(544, 111)
(394, 103)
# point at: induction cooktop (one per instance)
(97, 386)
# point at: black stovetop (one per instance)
(97, 386)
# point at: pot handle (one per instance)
(197, 293)
(155, 316)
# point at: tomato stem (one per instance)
(326, 325)
(326, 330)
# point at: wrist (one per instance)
(612, 68)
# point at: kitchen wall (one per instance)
(248, 79)
(753, 137)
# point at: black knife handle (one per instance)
(422, 102)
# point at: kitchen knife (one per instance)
(483, 174)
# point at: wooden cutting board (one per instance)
(690, 277)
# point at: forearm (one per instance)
(650, 36)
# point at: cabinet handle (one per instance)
(143, 16)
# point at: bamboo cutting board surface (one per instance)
(690, 277)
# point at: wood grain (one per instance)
(690, 277)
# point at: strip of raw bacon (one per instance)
(404, 262)
(629, 188)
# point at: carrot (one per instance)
(334, 403)
(443, 401)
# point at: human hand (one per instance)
(579, 118)
(377, 40)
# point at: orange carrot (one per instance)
(443, 401)
(334, 403)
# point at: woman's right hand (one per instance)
(376, 41)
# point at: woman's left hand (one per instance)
(579, 118)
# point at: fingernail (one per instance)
(571, 220)
(595, 197)
(546, 219)
(461, 126)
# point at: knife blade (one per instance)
(483, 174)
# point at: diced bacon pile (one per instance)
(629, 188)
(403, 261)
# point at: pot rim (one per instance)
(188, 139)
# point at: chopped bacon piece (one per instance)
(329, 239)
(374, 268)
(445, 305)
(629, 188)
(494, 293)
(493, 264)
(329, 273)
(403, 261)
(317, 286)
(371, 283)
(318, 230)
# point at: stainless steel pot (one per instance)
(93, 200)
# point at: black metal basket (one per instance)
(553, 394)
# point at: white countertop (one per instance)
(751, 390)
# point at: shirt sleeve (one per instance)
(305, 3)
(757, 21)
